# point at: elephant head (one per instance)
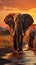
(24, 21)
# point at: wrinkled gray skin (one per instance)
(24, 21)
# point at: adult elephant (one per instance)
(9, 20)
(23, 22)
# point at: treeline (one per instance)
(4, 32)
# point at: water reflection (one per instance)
(19, 58)
(4, 61)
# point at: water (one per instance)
(20, 58)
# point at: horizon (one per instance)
(7, 26)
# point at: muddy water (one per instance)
(21, 58)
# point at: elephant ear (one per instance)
(27, 21)
(9, 20)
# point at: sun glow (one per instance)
(5, 11)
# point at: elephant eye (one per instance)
(9, 19)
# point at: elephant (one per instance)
(24, 21)
(31, 39)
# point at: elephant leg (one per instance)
(31, 43)
(15, 42)
(20, 42)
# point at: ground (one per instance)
(27, 57)
(21, 58)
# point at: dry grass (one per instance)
(6, 41)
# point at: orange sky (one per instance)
(11, 6)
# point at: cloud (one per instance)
(21, 4)
(33, 10)
(17, 10)
(6, 10)
(1, 1)
(13, 10)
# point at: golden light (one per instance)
(5, 11)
